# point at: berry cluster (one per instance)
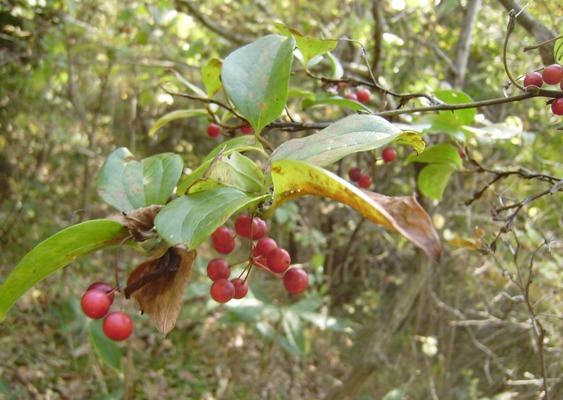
(362, 95)
(265, 254)
(214, 130)
(96, 303)
(355, 174)
(551, 75)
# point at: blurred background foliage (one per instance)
(81, 78)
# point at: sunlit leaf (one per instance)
(56, 252)
(344, 137)
(465, 116)
(402, 214)
(433, 179)
(128, 184)
(158, 286)
(174, 115)
(237, 171)
(558, 50)
(211, 76)
(192, 218)
(337, 69)
(309, 47)
(442, 153)
(256, 78)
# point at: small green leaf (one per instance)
(179, 79)
(337, 69)
(412, 139)
(127, 184)
(178, 114)
(464, 117)
(336, 101)
(309, 47)
(192, 218)
(445, 123)
(237, 171)
(211, 76)
(433, 179)
(256, 78)
(558, 50)
(346, 136)
(294, 331)
(56, 252)
(104, 347)
(238, 144)
(442, 153)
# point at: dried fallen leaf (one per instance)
(158, 285)
(139, 222)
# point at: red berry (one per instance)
(462, 154)
(552, 74)
(278, 260)
(118, 326)
(250, 227)
(218, 268)
(355, 174)
(351, 96)
(364, 95)
(222, 290)
(95, 303)
(557, 106)
(561, 86)
(241, 288)
(295, 280)
(533, 78)
(263, 247)
(213, 130)
(247, 130)
(104, 287)
(223, 240)
(365, 181)
(389, 154)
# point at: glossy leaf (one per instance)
(56, 252)
(256, 78)
(238, 144)
(346, 136)
(211, 76)
(158, 286)
(128, 184)
(192, 218)
(464, 117)
(442, 153)
(402, 214)
(104, 347)
(237, 171)
(433, 179)
(174, 115)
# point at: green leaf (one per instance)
(402, 214)
(104, 347)
(192, 218)
(238, 144)
(438, 154)
(433, 179)
(445, 123)
(56, 252)
(309, 47)
(179, 79)
(237, 171)
(178, 114)
(464, 117)
(211, 76)
(294, 331)
(127, 184)
(558, 50)
(336, 101)
(256, 78)
(346, 136)
(337, 69)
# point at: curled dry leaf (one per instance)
(139, 222)
(158, 285)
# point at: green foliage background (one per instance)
(80, 79)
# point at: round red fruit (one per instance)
(223, 240)
(533, 78)
(557, 106)
(95, 303)
(222, 290)
(218, 268)
(355, 174)
(263, 247)
(296, 280)
(552, 74)
(278, 260)
(247, 130)
(365, 181)
(104, 287)
(241, 288)
(213, 130)
(118, 326)
(364, 95)
(389, 154)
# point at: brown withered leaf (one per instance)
(410, 220)
(158, 285)
(473, 243)
(139, 222)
